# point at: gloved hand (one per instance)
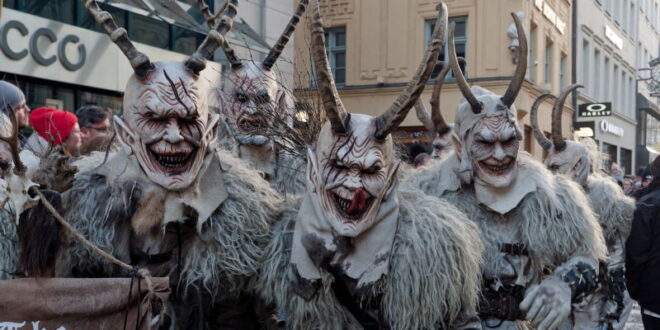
(547, 304)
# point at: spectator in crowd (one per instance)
(628, 184)
(95, 128)
(616, 173)
(643, 252)
(647, 181)
(422, 160)
(13, 99)
(54, 128)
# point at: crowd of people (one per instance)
(230, 226)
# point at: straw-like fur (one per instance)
(433, 277)
(612, 207)
(223, 255)
(555, 222)
(8, 245)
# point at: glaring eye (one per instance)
(262, 97)
(338, 164)
(241, 96)
(510, 140)
(484, 142)
(372, 170)
(554, 167)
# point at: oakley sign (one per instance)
(33, 46)
(595, 109)
(607, 127)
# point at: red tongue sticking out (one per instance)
(358, 202)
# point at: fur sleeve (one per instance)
(613, 208)
(436, 262)
(561, 224)
(8, 245)
(101, 214)
(231, 244)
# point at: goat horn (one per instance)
(12, 140)
(139, 61)
(533, 118)
(334, 109)
(438, 121)
(277, 49)
(216, 38)
(393, 117)
(557, 110)
(521, 68)
(458, 74)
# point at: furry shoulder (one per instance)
(437, 179)
(612, 207)
(435, 268)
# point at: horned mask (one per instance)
(566, 157)
(166, 123)
(254, 98)
(486, 133)
(352, 168)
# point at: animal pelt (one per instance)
(221, 256)
(9, 249)
(433, 277)
(555, 222)
(55, 171)
(612, 207)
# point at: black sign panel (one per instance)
(589, 110)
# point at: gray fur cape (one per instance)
(9, 248)
(218, 255)
(612, 207)
(433, 277)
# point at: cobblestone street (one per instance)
(635, 320)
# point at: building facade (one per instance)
(376, 45)
(54, 51)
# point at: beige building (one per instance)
(376, 45)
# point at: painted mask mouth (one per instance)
(353, 209)
(173, 162)
(252, 124)
(497, 167)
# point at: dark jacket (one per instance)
(643, 251)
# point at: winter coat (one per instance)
(643, 252)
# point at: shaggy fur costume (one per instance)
(554, 222)
(9, 248)
(217, 256)
(612, 207)
(433, 277)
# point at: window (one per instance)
(528, 138)
(610, 152)
(597, 67)
(532, 54)
(547, 72)
(58, 10)
(585, 63)
(626, 161)
(562, 71)
(606, 93)
(87, 21)
(631, 20)
(149, 31)
(616, 84)
(335, 42)
(186, 41)
(460, 40)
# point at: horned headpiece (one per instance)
(352, 169)
(486, 131)
(166, 123)
(567, 157)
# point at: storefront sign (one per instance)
(38, 54)
(607, 127)
(613, 37)
(588, 110)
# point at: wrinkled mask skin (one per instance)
(252, 98)
(13, 187)
(352, 174)
(167, 125)
(573, 161)
(490, 140)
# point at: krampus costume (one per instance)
(361, 252)
(542, 241)
(169, 201)
(258, 110)
(611, 304)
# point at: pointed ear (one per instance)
(393, 179)
(126, 135)
(312, 167)
(286, 107)
(457, 144)
(222, 100)
(212, 126)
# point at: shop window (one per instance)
(562, 71)
(610, 152)
(626, 161)
(532, 54)
(460, 40)
(58, 10)
(335, 43)
(149, 31)
(547, 71)
(87, 21)
(186, 41)
(528, 139)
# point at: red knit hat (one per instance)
(52, 124)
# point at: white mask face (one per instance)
(573, 161)
(167, 124)
(253, 103)
(494, 150)
(353, 174)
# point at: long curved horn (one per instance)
(216, 38)
(458, 74)
(438, 121)
(390, 120)
(557, 138)
(12, 140)
(208, 15)
(334, 109)
(533, 118)
(424, 116)
(521, 68)
(277, 49)
(139, 61)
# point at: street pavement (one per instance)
(635, 320)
